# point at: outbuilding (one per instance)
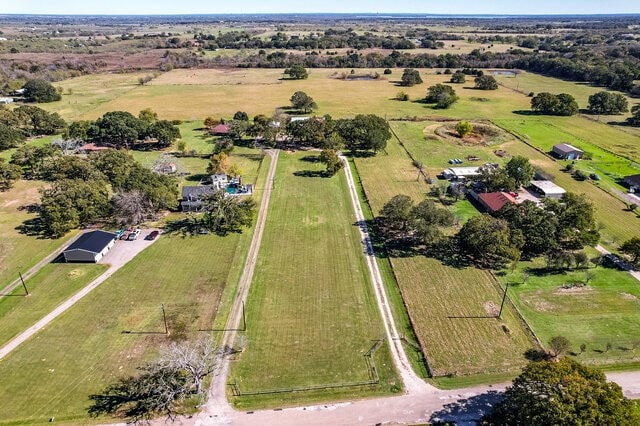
(548, 189)
(494, 201)
(90, 246)
(567, 152)
(461, 173)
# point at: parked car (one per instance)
(152, 235)
(132, 236)
(594, 176)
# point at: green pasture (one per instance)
(311, 311)
(606, 311)
(51, 286)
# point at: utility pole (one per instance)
(164, 318)
(24, 285)
(244, 319)
(504, 297)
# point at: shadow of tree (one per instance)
(311, 158)
(466, 411)
(33, 227)
(311, 173)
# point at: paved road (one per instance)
(621, 263)
(121, 253)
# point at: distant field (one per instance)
(606, 311)
(194, 277)
(311, 312)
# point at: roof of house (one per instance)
(547, 187)
(195, 191)
(220, 176)
(93, 147)
(565, 148)
(464, 171)
(221, 129)
(92, 241)
(494, 201)
(632, 180)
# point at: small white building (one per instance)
(219, 181)
(461, 173)
(6, 100)
(548, 189)
(90, 247)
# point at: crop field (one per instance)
(118, 326)
(18, 251)
(603, 312)
(52, 285)
(311, 311)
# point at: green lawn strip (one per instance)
(87, 347)
(311, 313)
(400, 314)
(606, 311)
(19, 252)
(51, 286)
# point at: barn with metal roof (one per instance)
(90, 246)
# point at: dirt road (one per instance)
(121, 253)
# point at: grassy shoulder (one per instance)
(311, 314)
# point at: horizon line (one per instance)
(330, 13)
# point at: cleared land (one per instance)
(311, 314)
(603, 312)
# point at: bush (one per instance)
(40, 91)
(387, 71)
(402, 96)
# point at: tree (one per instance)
(224, 214)
(148, 116)
(37, 90)
(297, 72)
(69, 203)
(241, 116)
(489, 241)
(577, 225)
(35, 121)
(538, 226)
(364, 132)
(567, 105)
(31, 158)
(165, 132)
(563, 392)
(464, 128)
(496, 180)
(396, 213)
(9, 173)
(115, 165)
(427, 220)
(410, 77)
(442, 95)
(632, 248)
(303, 102)
(78, 130)
(558, 346)
(332, 161)
(634, 120)
(69, 167)
(550, 104)
(10, 137)
(458, 77)
(607, 103)
(218, 164)
(210, 122)
(131, 207)
(486, 82)
(119, 128)
(520, 170)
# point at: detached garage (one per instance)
(90, 247)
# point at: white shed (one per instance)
(90, 247)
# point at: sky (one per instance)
(158, 7)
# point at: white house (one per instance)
(219, 181)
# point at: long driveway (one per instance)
(120, 254)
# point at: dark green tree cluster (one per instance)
(607, 103)
(303, 102)
(297, 72)
(550, 104)
(410, 77)
(9, 173)
(441, 95)
(224, 214)
(26, 121)
(634, 120)
(123, 129)
(517, 172)
(490, 242)
(486, 82)
(40, 91)
(563, 392)
(458, 77)
(406, 224)
(331, 159)
(631, 247)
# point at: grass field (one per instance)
(193, 276)
(19, 252)
(52, 285)
(311, 312)
(606, 311)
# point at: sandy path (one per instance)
(119, 255)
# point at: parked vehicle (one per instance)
(152, 235)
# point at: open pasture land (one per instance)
(311, 312)
(118, 326)
(18, 251)
(604, 312)
(435, 293)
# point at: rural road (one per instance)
(121, 253)
(619, 262)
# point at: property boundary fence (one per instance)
(415, 162)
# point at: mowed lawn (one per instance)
(18, 251)
(435, 293)
(311, 312)
(51, 286)
(605, 311)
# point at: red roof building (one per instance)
(91, 147)
(221, 130)
(494, 201)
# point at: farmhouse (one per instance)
(90, 247)
(221, 130)
(191, 200)
(567, 152)
(493, 201)
(461, 173)
(548, 189)
(220, 181)
(633, 182)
